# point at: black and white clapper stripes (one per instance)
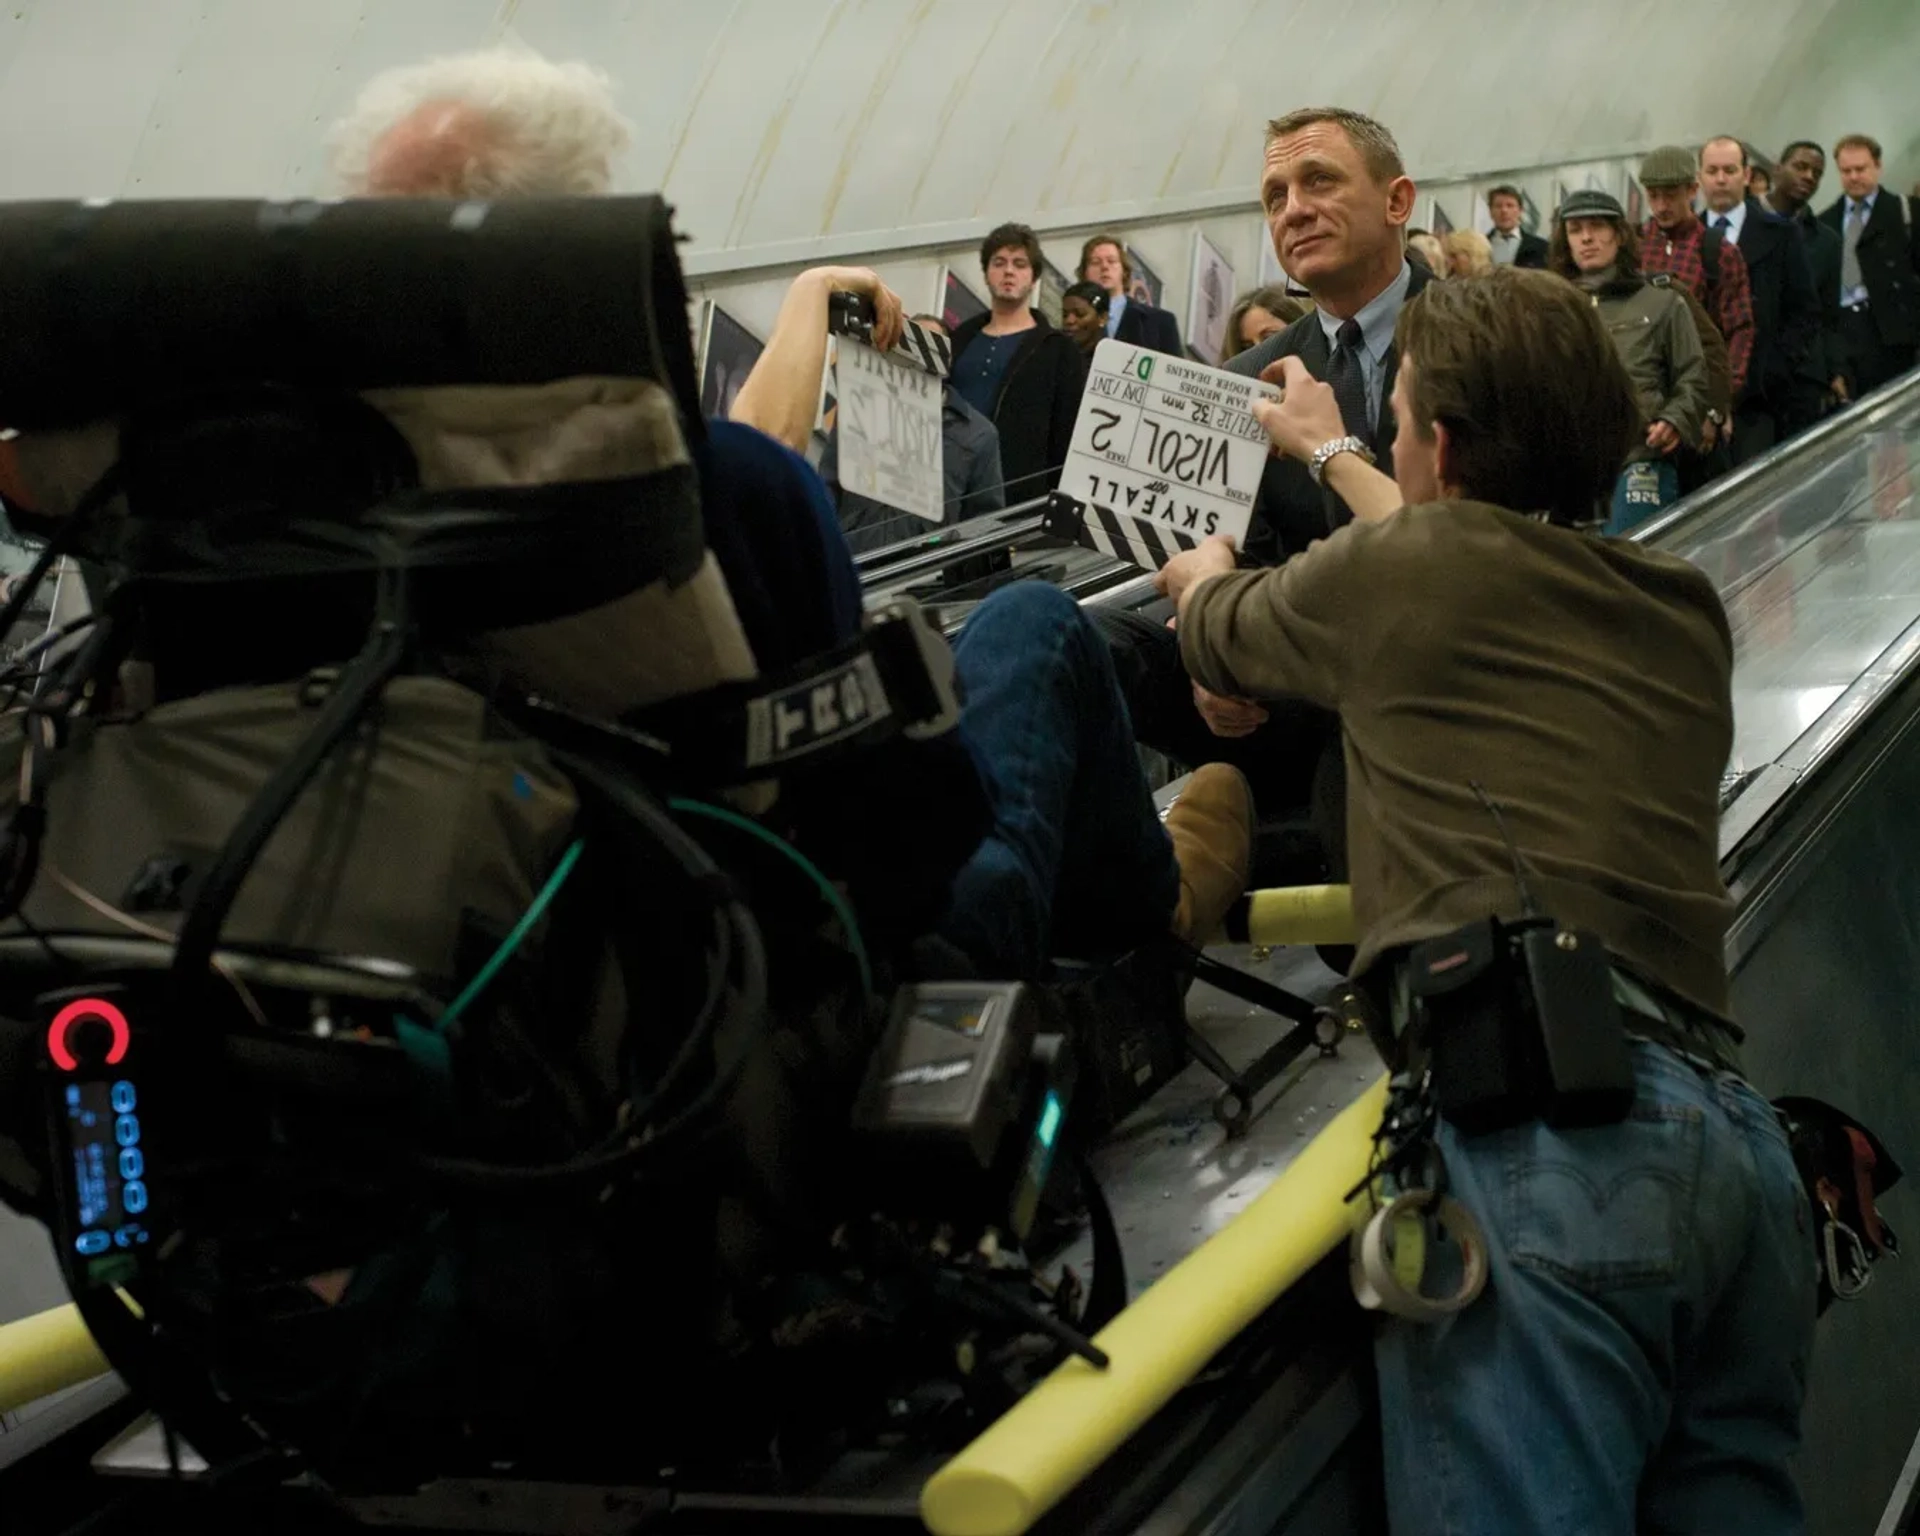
(849, 314)
(1131, 539)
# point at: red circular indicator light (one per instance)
(72, 1014)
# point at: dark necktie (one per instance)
(1348, 378)
(1723, 223)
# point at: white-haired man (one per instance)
(497, 123)
(1058, 833)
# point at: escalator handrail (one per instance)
(1777, 462)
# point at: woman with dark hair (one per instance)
(1652, 329)
(1083, 315)
(1258, 315)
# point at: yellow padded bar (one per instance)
(1079, 1416)
(1301, 914)
(40, 1355)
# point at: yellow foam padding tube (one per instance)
(1301, 914)
(40, 1355)
(1079, 1416)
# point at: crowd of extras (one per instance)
(1744, 307)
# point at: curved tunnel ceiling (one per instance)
(787, 130)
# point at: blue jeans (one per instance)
(1077, 863)
(1638, 1359)
(1643, 489)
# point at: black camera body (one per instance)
(1519, 1022)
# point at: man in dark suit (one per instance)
(1879, 270)
(1337, 201)
(1104, 261)
(1786, 311)
(1820, 384)
(1512, 245)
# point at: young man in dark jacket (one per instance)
(1015, 369)
(1638, 1358)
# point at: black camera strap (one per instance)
(895, 678)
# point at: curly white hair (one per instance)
(493, 123)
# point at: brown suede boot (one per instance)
(1211, 825)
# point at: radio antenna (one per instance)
(1528, 907)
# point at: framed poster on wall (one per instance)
(1439, 220)
(1145, 286)
(958, 302)
(1210, 300)
(728, 351)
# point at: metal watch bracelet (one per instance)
(1317, 465)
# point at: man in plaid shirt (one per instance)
(1671, 243)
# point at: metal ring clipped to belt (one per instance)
(1392, 1253)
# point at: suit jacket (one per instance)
(1291, 511)
(1786, 308)
(1142, 325)
(1532, 252)
(1824, 361)
(1889, 265)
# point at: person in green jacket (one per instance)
(1652, 329)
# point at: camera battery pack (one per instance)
(946, 1075)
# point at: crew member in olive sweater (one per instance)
(1481, 638)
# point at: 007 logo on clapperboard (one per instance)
(1165, 453)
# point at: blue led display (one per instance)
(109, 1167)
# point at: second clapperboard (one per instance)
(1165, 453)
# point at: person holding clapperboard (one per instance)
(1075, 861)
(1337, 201)
(1605, 1314)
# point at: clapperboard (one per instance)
(851, 314)
(1165, 453)
(888, 411)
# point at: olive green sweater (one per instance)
(1585, 683)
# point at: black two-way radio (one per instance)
(1519, 1020)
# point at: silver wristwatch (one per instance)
(1317, 465)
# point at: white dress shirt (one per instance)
(1505, 247)
(1736, 218)
(1116, 307)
